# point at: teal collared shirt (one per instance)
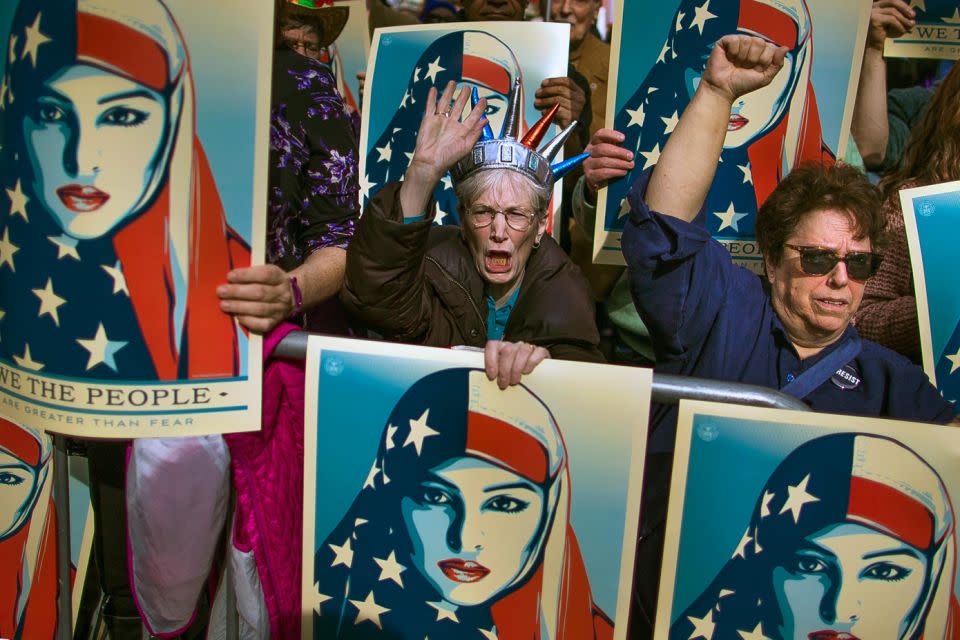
(497, 317)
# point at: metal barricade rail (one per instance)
(667, 389)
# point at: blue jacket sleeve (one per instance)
(684, 284)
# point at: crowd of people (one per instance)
(837, 290)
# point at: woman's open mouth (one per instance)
(82, 199)
(832, 305)
(736, 122)
(463, 570)
(829, 634)
(498, 261)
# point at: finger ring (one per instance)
(533, 347)
(445, 114)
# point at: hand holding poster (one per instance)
(931, 215)
(131, 188)
(935, 35)
(407, 61)
(825, 527)
(438, 505)
(803, 114)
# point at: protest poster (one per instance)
(28, 533)
(791, 524)
(134, 178)
(406, 61)
(936, 34)
(658, 54)
(437, 504)
(931, 215)
(348, 54)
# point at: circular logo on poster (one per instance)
(846, 377)
(333, 366)
(708, 432)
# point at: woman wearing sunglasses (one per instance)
(821, 232)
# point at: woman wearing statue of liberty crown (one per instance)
(498, 280)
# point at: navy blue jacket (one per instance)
(713, 319)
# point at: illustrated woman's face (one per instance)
(16, 486)
(496, 106)
(755, 113)
(94, 140)
(472, 527)
(849, 579)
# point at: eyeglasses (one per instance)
(308, 48)
(517, 219)
(818, 261)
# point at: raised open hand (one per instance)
(443, 138)
(740, 64)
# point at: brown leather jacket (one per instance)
(417, 283)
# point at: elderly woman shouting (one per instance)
(498, 280)
(821, 233)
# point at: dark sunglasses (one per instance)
(819, 261)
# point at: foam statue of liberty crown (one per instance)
(507, 152)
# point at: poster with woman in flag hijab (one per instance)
(930, 216)
(438, 505)
(131, 184)
(658, 54)
(407, 61)
(794, 524)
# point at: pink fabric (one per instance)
(267, 471)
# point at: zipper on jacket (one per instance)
(483, 323)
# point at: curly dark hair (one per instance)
(813, 187)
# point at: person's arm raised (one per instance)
(737, 65)
(442, 140)
(870, 126)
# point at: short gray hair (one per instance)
(470, 190)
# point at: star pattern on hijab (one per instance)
(369, 610)
(401, 144)
(444, 612)
(797, 496)
(18, 201)
(650, 115)
(343, 554)
(33, 39)
(729, 218)
(390, 569)
(66, 247)
(7, 251)
(26, 360)
(318, 597)
(702, 627)
(754, 634)
(954, 361)
(50, 302)
(741, 549)
(419, 431)
(701, 15)
(102, 349)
